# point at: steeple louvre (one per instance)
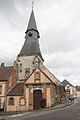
(32, 24)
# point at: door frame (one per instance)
(36, 100)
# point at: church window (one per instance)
(30, 34)
(27, 71)
(37, 76)
(0, 89)
(33, 62)
(22, 101)
(11, 101)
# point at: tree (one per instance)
(2, 65)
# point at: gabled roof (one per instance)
(5, 72)
(49, 75)
(65, 82)
(17, 90)
(78, 88)
(50, 81)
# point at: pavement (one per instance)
(6, 116)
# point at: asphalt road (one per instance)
(69, 113)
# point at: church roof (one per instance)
(17, 90)
(30, 47)
(5, 72)
(32, 22)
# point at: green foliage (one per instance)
(2, 65)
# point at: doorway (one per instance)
(37, 99)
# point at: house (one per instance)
(7, 80)
(69, 88)
(78, 91)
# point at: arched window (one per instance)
(37, 76)
(27, 72)
(11, 101)
(22, 101)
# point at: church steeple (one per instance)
(30, 56)
(31, 44)
(32, 22)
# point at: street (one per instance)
(68, 113)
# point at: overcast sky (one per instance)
(58, 22)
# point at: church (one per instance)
(35, 86)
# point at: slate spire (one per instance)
(31, 44)
(32, 22)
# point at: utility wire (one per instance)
(9, 54)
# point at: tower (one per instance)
(30, 55)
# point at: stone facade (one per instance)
(32, 88)
(26, 65)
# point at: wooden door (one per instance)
(37, 99)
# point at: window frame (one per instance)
(21, 102)
(10, 102)
(37, 76)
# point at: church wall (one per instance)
(48, 89)
(27, 97)
(30, 79)
(18, 106)
(48, 99)
(51, 99)
(44, 79)
(53, 95)
(26, 62)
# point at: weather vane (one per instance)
(32, 4)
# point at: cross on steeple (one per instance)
(32, 4)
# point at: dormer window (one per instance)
(29, 34)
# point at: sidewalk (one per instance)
(6, 116)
